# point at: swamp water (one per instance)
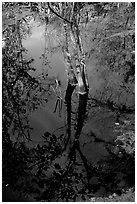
(43, 119)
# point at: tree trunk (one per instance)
(76, 75)
(81, 75)
(76, 72)
(72, 82)
(81, 113)
(69, 91)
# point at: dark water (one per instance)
(8, 195)
(43, 119)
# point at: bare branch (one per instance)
(58, 14)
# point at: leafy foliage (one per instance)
(114, 53)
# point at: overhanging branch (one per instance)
(58, 14)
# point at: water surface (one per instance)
(43, 119)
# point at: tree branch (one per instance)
(110, 104)
(57, 14)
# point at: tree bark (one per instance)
(69, 92)
(81, 113)
(72, 82)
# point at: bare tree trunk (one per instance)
(76, 76)
(76, 73)
(81, 113)
(69, 91)
(81, 75)
(72, 82)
